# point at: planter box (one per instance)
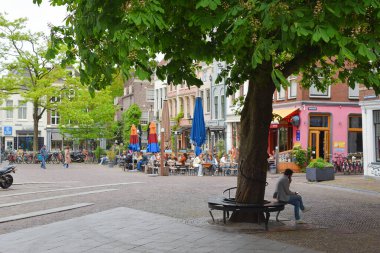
(313, 174)
(282, 166)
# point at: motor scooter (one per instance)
(6, 180)
(77, 157)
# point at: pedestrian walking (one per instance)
(67, 157)
(283, 194)
(44, 155)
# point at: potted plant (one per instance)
(111, 157)
(320, 170)
(300, 157)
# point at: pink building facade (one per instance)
(330, 125)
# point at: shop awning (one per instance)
(285, 114)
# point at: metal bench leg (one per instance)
(278, 213)
(224, 216)
(211, 215)
(267, 220)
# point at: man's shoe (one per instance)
(300, 222)
(306, 209)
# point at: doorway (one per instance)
(319, 142)
(319, 136)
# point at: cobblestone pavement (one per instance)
(123, 229)
(343, 218)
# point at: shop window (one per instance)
(319, 121)
(216, 107)
(292, 90)
(21, 109)
(314, 92)
(54, 118)
(208, 100)
(355, 135)
(222, 106)
(281, 94)
(9, 105)
(353, 93)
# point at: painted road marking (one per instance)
(65, 189)
(55, 197)
(61, 182)
(43, 212)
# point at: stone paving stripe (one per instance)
(43, 212)
(65, 189)
(55, 197)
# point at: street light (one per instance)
(212, 143)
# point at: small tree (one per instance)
(130, 117)
(85, 116)
(25, 70)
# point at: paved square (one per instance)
(124, 229)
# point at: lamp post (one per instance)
(212, 143)
(138, 134)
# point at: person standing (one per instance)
(67, 157)
(44, 155)
(283, 194)
(197, 163)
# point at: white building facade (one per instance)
(16, 121)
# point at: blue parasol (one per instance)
(198, 128)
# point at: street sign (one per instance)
(7, 130)
(298, 135)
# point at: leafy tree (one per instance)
(25, 70)
(260, 41)
(84, 116)
(130, 117)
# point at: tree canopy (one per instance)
(263, 42)
(284, 37)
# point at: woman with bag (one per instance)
(67, 157)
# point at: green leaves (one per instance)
(279, 79)
(366, 52)
(212, 4)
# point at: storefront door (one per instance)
(319, 135)
(319, 142)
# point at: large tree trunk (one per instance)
(255, 122)
(35, 126)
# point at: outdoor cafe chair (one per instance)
(172, 168)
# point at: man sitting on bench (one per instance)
(283, 194)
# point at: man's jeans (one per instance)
(296, 201)
(43, 163)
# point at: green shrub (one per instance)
(98, 152)
(301, 157)
(319, 163)
(111, 155)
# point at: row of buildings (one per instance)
(333, 122)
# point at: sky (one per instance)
(38, 16)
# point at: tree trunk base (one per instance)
(247, 217)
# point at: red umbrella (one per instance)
(134, 139)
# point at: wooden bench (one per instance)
(227, 204)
